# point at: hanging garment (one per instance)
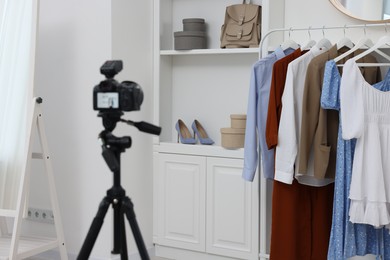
(365, 115)
(290, 120)
(309, 209)
(319, 126)
(348, 239)
(274, 111)
(318, 129)
(301, 221)
(257, 115)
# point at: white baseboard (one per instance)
(54, 255)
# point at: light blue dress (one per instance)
(348, 239)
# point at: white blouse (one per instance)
(365, 115)
(286, 159)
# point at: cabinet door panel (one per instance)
(232, 207)
(182, 201)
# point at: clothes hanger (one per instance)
(385, 40)
(310, 43)
(289, 43)
(344, 42)
(363, 42)
(366, 42)
(324, 43)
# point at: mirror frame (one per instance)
(342, 9)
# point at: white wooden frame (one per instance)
(15, 246)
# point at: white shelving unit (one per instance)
(222, 216)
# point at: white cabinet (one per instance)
(181, 201)
(202, 206)
(205, 207)
(232, 210)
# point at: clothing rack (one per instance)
(264, 39)
(263, 182)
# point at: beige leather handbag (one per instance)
(242, 26)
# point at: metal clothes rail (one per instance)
(264, 39)
(263, 182)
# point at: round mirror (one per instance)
(367, 10)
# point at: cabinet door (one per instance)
(232, 210)
(181, 201)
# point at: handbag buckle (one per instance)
(239, 34)
(241, 19)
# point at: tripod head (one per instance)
(111, 118)
(112, 146)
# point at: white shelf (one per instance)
(28, 246)
(210, 51)
(207, 85)
(203, 84)
(198, 149)
(9, 213)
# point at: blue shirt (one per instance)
(260, 84)
(348, 239)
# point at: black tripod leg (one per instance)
(128, 207)
(124, 255)
(94, 230)
(117, 228)
(120, 245)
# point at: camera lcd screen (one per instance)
(108, 100)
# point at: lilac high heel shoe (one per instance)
(183, 134)
(201, 133)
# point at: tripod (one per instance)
(116, 196)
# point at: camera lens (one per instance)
(132, 96)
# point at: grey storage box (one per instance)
(189, 40)
(194, 24)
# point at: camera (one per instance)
(112, 96)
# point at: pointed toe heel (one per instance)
(183, 134)
(201, 133)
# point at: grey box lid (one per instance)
(193, 20)
(189, 34)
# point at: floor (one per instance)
(151, 258)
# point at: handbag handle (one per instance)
(244, 1)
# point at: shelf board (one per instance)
(10, 213)
(210, 51)
(28, 246)
(198, 149)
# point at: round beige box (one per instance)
(232, 138)
(238, 121)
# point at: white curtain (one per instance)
(18, 21)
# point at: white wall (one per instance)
(318, 13)
(132, 42)
(74, 40)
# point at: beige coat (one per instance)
(319, 128)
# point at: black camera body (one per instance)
(112, 96)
